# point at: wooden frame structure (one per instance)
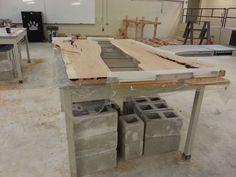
(139, 22)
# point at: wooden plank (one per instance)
(148, 60)
(170, 84)
(135, 46)
(84, 61)
(207, 81)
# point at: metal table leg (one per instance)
(66, 100)
(193, 123)
(27, 48)
(18, 63)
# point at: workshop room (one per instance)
(117, 88)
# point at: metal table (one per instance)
(15, 38)
(73, 92)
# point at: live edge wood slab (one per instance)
(84, 65)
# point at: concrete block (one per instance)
(131, 128)
(91, 164)
(128, 106)
(96, 144)
(163, 144)
(131, 150)
(91, 107)
(130, 102)
(153, 99)
(140, 108)
(161, 123)
(93, 124)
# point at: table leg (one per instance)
(66, 101)
(18, 63)
(27, 48)
(193, 123)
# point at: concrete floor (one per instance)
(33, 136)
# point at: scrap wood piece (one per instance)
(146, 84)
(84, 63)
(67, 46)
(171, 84)
(207, 81)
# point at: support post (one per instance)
(18, 63)
(27, 48)
(193, 123)
(142, 27)
(155, 28)
(67, 108)
(136, 28)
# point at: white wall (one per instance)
(222, 4)
(110, 17)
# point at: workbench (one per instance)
(15, 38)
(157, 73)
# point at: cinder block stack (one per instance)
(131, 131)
(162, 124)
(95, 129)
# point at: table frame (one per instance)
(70, 94)
(16, 41)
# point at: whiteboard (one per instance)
(54, 11)
(62, 11)
(12, 9)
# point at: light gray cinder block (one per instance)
(161, 123)
(131, 150)
(96, 124)
(96, 144)
(131, 128)
(163, 144)
(131, 132)
(91, 164)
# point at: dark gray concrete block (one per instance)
(91, 107)
(131, 128)
(96, 144)
(131, 150)
(95, 163)
(161, 123)
(144, 107)
(163, 144)
(154, 99)
(130, 102)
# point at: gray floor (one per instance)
(33, 137)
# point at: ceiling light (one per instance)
(30, 2)
(27, 0)
(75, 3)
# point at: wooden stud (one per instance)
(142, 27)
(136, 28)
(155, 28)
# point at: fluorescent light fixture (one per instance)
(75, 3)
(30, 2)
(27, 0)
